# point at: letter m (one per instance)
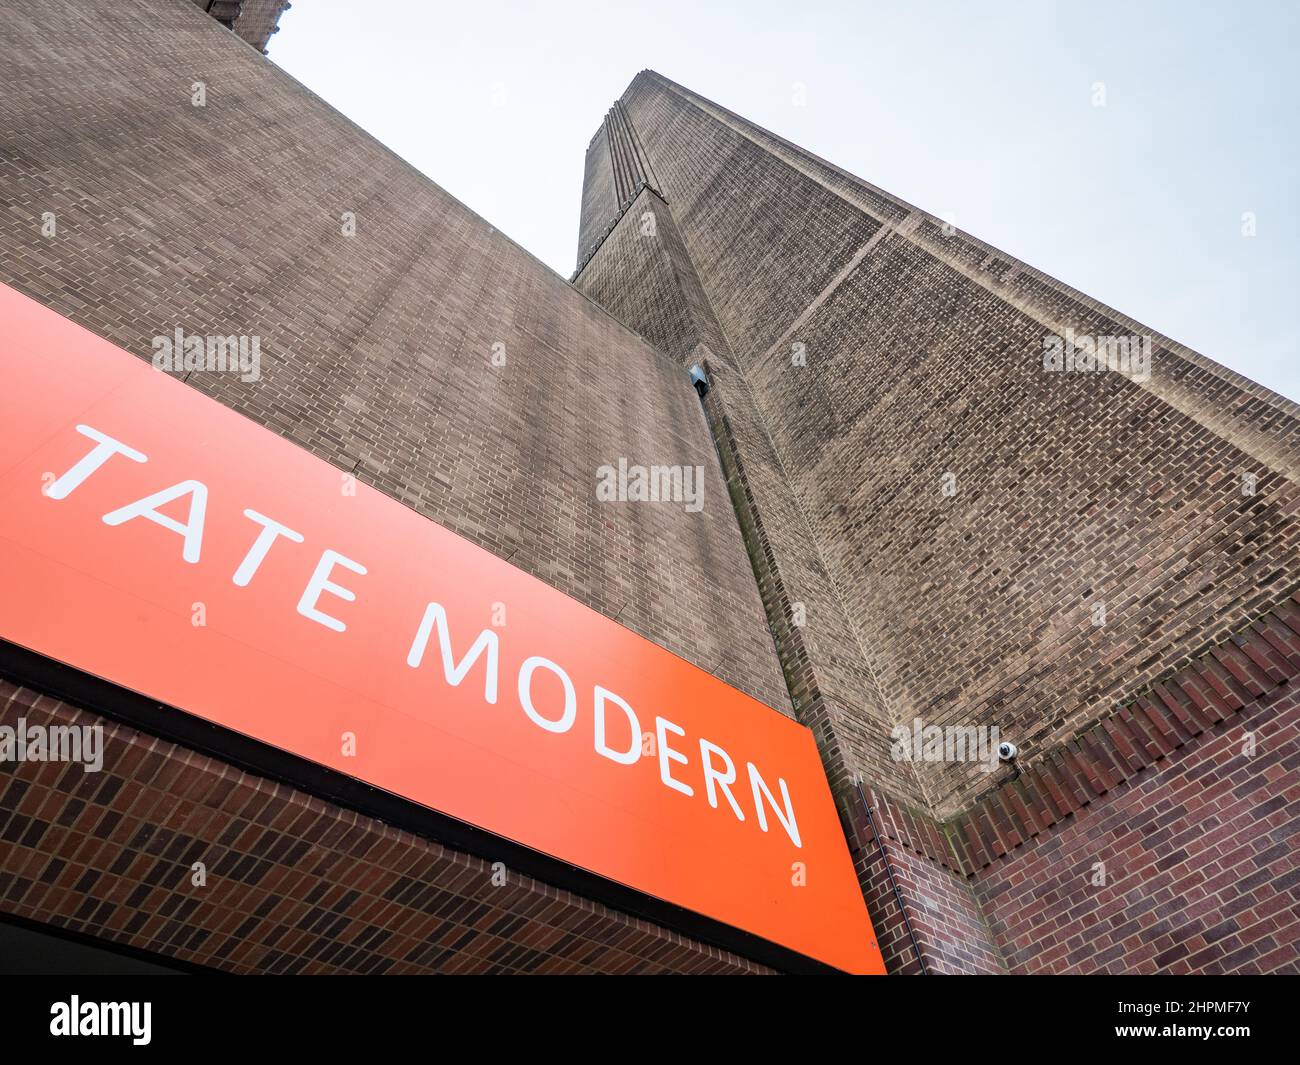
(436, 617)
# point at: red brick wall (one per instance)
(1189, 797)
(950, 930)
(292, 884)
(1202, 864)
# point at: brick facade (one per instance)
(256, 21)
(863, 359)
(1200, 865)
(377, 348)
(292, 884)
(1168, 500)
(924, 358)
(378, 357)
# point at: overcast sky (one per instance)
(983, 112)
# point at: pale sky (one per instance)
(982, 112)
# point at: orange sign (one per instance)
(153, 538)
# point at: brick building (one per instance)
(912, 521)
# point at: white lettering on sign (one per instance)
(546, 693)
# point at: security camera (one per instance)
(700, 380)
(1008, 751)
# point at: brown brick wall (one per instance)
(376, 348)
(259, 21)
(599, 198)
(644, 274)
(764, 238)
(924, 358)
(254, 21)
(634, 274)
(377, 356)
(924, 352)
